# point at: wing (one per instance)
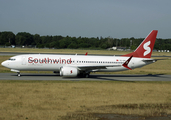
(153, 60)
(150, 60)
(86, 68)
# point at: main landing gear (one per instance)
(84, 75)
(87, 75)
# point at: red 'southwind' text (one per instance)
(49, 60)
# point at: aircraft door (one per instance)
(75, 61)
(23, 60)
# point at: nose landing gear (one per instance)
(18, 74)
(17, 71)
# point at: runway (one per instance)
(126, 78)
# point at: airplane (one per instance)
(83, 65)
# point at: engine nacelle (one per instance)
(69, 72)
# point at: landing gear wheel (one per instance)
(86, 75)
(18, 74)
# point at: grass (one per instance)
(64, 99)
(74, 51)
(62, 51)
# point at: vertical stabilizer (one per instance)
(144, 50)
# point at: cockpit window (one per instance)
(12, 59)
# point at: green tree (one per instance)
(133, 47)
(52, 44)
(23, 38)
(84, 45)
(73, 45)
(103, 46)
(37, 39)
(62, 44)
(7, 38)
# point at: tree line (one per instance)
(60, 42)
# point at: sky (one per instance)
(87, 18)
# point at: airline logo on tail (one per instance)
(147, 48)
(144, 50)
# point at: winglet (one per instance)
(127, 62)
(86, 53)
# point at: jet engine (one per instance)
(69, 72)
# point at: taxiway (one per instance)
(129, 78)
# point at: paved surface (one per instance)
(32, 76)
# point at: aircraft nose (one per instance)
(4, 63)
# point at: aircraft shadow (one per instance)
(29, 74)
(107, 77)
(92, 76)
(126, 75)
(119, 77)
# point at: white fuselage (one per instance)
(48, 62)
